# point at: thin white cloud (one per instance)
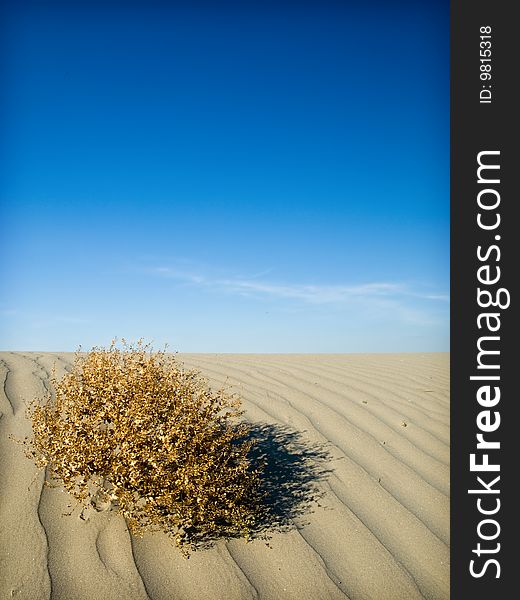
(440, 297)
(180, 274)
(315, 294)
(309, 293)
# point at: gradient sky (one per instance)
(265, 179)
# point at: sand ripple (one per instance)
(379, 531)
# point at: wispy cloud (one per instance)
(309, 293)
(315, 294)
(434, 297)
(181, 274)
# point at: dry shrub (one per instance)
(132, 430)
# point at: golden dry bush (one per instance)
(132, 430)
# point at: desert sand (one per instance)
(378, 429)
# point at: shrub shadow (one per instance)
(292, 468)
(291, 471)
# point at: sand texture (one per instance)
(370, 431)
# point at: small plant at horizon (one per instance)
(134, 431)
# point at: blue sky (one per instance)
(258, 178)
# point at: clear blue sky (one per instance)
(257, 178)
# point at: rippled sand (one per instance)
(379, 531)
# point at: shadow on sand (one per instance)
(292, 468)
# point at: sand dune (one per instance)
(379, 531)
